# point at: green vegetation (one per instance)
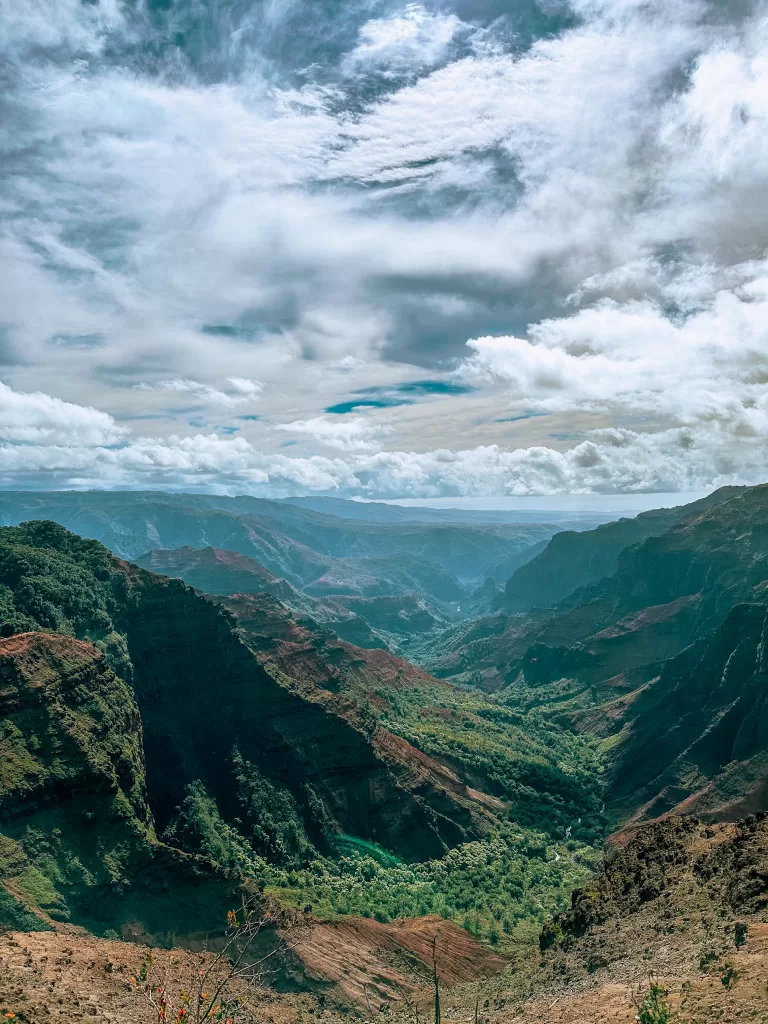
(655, 1008)
(15, 917)
(549, 778)
(50, 579)
(502, 890)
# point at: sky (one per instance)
(367, 248)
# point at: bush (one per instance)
(655, 1008)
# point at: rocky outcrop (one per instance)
(679, 859)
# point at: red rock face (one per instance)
(202, 691)
(363, 962)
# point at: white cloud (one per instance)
(245, 386)
(244, 390)
(81, 447)
(609, 183)
(350, 433)
(412, 37)
(630, 359)
(40, 419)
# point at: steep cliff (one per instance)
(205, 696)
(77, 841)
(203, 692)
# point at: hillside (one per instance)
(677, 901)
(662, 661)
(676, 905)
(258, 744)
(218, 572)
(571, 560)
(77, 839)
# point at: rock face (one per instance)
(202, 691)
(77, 841)
(699, 739)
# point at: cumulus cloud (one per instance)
(630, 358)
(40, 419)
(79, 447)
(187, 209)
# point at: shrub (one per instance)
(655, 1008)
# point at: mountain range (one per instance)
(176, 726)
(444, 560)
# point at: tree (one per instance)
(435, 979)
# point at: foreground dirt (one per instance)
(49, 976)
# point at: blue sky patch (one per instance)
(341, 408)
(388, 396)
(523, 416)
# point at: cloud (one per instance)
(75, 446)
(244, 389)
(353, 434)
(245, 386)
(195, 201)
(40, 419)
(396, 44)
(631, 360)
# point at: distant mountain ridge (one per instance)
(384, 512)
(323, 554)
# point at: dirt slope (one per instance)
(369, 965)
